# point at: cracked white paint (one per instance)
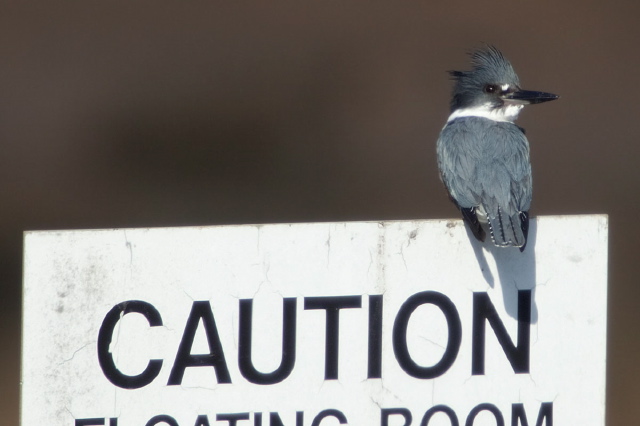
(73, 278)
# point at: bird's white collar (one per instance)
(507, 113)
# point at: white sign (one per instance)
(363, 323)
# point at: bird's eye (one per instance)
(490, 88)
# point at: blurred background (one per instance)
(151, 115)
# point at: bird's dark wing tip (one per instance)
(470, 217)
(524, 225)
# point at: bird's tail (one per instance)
(509, 230)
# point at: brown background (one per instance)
(148, 115)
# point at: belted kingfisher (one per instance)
(483, 156)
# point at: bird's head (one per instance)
(491, 89)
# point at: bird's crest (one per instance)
(489, 66)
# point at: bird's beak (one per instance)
(529, 97)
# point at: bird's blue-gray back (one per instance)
(486, 163)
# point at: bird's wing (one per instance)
(458, 157)
(484, 163)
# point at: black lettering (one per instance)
(485, 407)
(329, 413)
(274, 419)
(202, 420)
(113, 421)
(375, 337)
(454, 326)
(215, 357)
(105, 358)
(90, 422)
(232, 418)
(288, 359)
(453, 419)
(163, 418)
(545, 413)
(332, 305)
(518, 355)
(385, 413)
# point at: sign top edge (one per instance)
(600, 216)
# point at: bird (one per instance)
(483, 156)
